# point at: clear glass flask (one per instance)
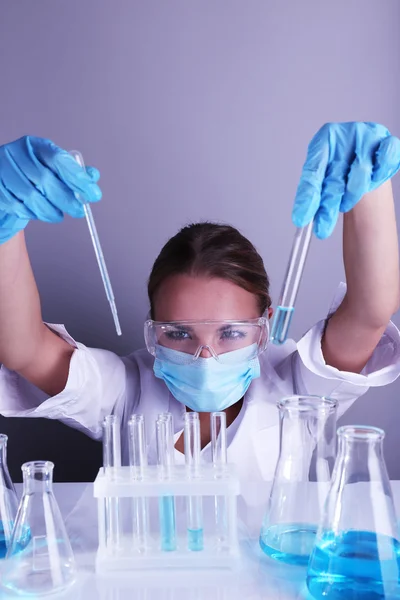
(302, 475)
(8, 499)
(357, 549)
(39, 559)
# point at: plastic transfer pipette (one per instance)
(194, 503)
(98, 251)
(138, 463)
(285, 309)
(165, 457)
(219, 458)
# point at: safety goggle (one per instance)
(218, 338)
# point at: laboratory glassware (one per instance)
(219, 459)
(285, 309)
(111, 444)
(223, 339)
(111, 464)
(165, 459)
(357, 549)
(302, 475)
(8, 499)
(98, 251)
(39, 559)
(161, 485)
(138, 463)
(194, 503)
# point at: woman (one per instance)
(207, 272)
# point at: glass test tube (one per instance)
(165, 458)
(194, 503)
(111, 463)
(285, 309)
(138, 463)
(219, 458)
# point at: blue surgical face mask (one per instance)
(206, 385)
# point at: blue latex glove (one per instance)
(38, 180)
(344, 161)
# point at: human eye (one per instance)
(231, 334)
(177, 335)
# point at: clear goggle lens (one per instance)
(207, 338)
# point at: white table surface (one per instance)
(258, 577)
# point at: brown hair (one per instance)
(213, 250)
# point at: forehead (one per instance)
(187, 297)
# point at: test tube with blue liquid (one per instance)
(219, 459)
(285, 309)
(165, 459)
(138, 463)
(194, 503)
(111, 464)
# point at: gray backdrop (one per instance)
(192, 110)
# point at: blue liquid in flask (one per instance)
(167, 523)
(3, 546)
(359, 565)
(195, 539)
(20, 545)
(291, 543)
(281, 323)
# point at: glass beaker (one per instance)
(357, 549)
(302, 475)
(8, 499)
(39, 559)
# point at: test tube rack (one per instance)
(118, 550)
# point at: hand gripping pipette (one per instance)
(98, 251)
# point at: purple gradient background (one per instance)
(192, 110)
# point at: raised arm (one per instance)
(348, 169)
(26, 344)
(371, 260)
(37, 181)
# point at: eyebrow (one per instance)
(226, 327)
(191, 329)
(181, 327)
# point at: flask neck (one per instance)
(301, 429)
(362, 459)
(38, 477)
(3, 450)
(3, 454)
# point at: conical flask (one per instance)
(8, 499)
(39, 559)
(357, 549)
(302, 476)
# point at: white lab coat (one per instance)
(100, 383)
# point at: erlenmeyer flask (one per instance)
(8, 499)
(357, 549)
(39, 559)
(302, 476)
